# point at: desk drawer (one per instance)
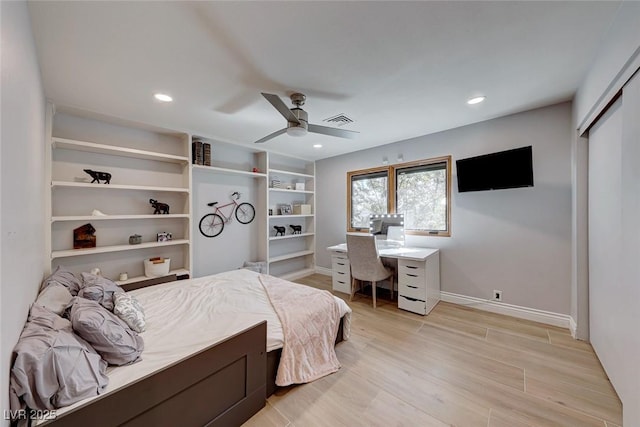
(412, 291)
(412, 279)
(341, 284)
(413, 305)
(411, 267)
(342, 267)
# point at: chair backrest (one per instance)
(364, 259)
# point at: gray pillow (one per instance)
(53, 367)
(99, 289)
(128, 309)
(109, 336)
(63, 277)
(55, 297)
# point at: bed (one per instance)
(212, 348)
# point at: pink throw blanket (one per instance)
(310, 319)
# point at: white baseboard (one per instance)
(324, 270)
(546, 317)
(573, 327)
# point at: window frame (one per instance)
(391, 193)
(369, 171)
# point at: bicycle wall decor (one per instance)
(212, 224)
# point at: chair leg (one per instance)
(392, 285)
(353, 288)
(373, 292)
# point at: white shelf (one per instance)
(215, 169)
(290, 256)
(116, 248)
(290, 216)
(294, 275)
(284, 190)
(115, 217)
(283, 172)
(290, 236)
(116, 151)
(55, 184)
(177, 272)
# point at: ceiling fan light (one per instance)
(296, 131)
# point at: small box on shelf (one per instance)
(300, 186)
(302, 209)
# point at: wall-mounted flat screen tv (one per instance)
(496, 171)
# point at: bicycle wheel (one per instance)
(245, 213)
(211, 225)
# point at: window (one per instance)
(420, 190)
(367, 193)
(422, 195)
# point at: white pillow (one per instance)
(55, 298)
(129, 310)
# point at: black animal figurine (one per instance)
(97, 176)
(160, 208)
(297, 229)
(279, 230)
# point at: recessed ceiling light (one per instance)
(317, 145)
(163, 97)
(476, 100)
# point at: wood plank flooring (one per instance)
(455, 367)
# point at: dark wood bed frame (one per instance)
(222, 385)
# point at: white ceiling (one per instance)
(399, 69)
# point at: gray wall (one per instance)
(515, 240)
(22, 180)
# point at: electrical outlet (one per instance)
(497, 295)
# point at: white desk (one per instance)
(418, 275)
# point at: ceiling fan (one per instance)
(297, 120)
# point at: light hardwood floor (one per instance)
(455, 367)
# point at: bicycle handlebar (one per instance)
(235, 193)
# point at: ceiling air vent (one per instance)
(339, 120)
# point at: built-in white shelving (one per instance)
(291, 236)
(115, 248)
(284, 172)
(290, 256)
(285, 190)
(114, 217)
(115, 150)
(97, 186)
(229, 171)
(145, 163)
(293, 255)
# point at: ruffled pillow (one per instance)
(99, 289)
(53, 367)
(109, 336)
(129, 309)
(63, 277)
(55, 298)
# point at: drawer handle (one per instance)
(339, 263)
(339, 272)
(412, 287)
(412, 275)
(411, 299)
(340, 282)
(411, 266)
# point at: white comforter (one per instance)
(189, 315)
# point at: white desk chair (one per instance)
(366, 264)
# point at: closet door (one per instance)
(614, 245)
(605, 228)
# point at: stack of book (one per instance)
(200, 152)
(196, 152)
(206, 154)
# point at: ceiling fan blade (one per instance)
(270, 136)
(340, 133)
(281, 107)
